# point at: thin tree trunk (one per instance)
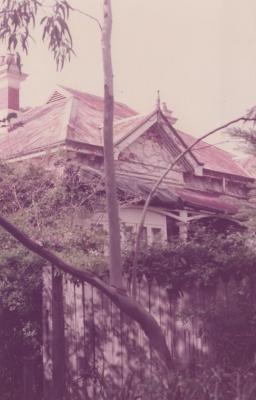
(115, 266)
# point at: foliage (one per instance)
(53, 206)
(221, 268)
(20, 315)
(18, 18)
(200, 261)
(49, 205)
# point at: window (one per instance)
(144, 236)
(128, 235)
(156, 235)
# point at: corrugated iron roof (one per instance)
(126, 126)
(206, 201)
(78, 116)
(174, 196)
(38, 128)
(213, 157)
(96, 103)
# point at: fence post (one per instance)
(28, 379)
(58, 338)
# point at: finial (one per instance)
(158, 101)
(168, 113)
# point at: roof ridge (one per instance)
(69, 89)
(133, 117)
(93, 96)
(133, 129)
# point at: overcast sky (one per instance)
(200, 54)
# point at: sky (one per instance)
(200, 54)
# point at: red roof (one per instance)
(213, 157)
(96, 103)
(74, 115)
(172, 195)
(38, 127)
(68, 115)
(125, 127)
(205, 200)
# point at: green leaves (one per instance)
(203, 260)
(47, 205)
(57, 33)
(19, 18)
(53, 206)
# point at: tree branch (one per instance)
(125, 303)
(78, 11)
(89, 16)
(158, 183)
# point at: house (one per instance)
(206, 183)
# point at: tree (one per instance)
(16, 21)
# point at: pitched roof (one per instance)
(213, 157)
(37, 128)
(126, 126)
(205, 200)
(77, 116)
(67, 115)
(176, 196)
(249, 164)
(96, 103)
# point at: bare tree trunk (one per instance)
(115, 266)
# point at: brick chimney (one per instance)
(10, 79)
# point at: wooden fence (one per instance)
(95, 347)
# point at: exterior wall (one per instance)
(150, 155)
(160, 225)
(221, 184)
(150, 148)
(155, 223)
(146, 170)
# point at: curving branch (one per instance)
(125, 303)
(89, 16)
(158, 183)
